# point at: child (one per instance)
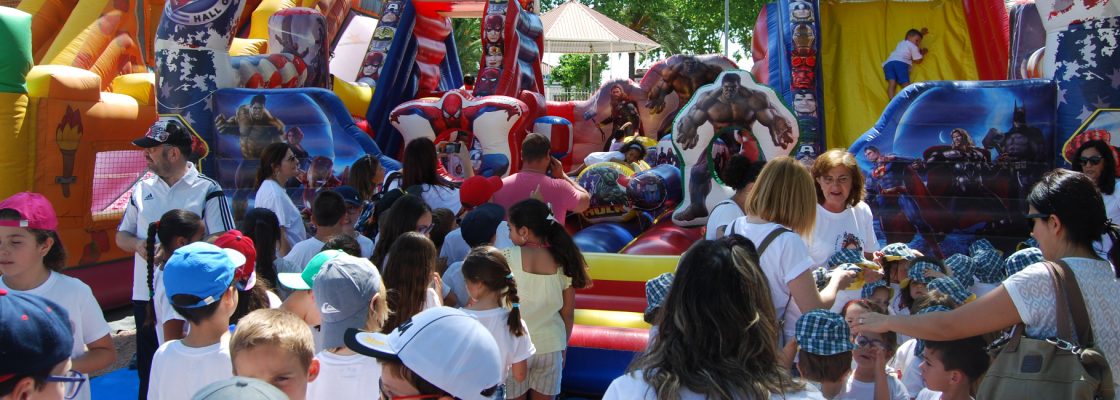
(251, 294)
(479, 228)
(300, 302)
(988, 264)
(916, 287)
(199, 279)
(871, 379)
(908, 357)
(175, 229)
(344, 243)
(549, 268)
(491, 287)
(354, 207)
(896, 259)
(656, 290)
(898, 64)
(878, 293)
(35, 348)
(275, 346)
(240, 388)
(350, 295)
(263, 227)
(328, 212)
(440, 353)
(411, 277)
(826, 344)
(951, 369)
(31, 258)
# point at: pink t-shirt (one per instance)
(557, 192)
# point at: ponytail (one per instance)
(537, 217)
(150, 246)
(262, 225)
(487, 265)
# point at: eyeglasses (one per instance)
(864, 341)
(828, 180)
(1031, 218)
(1094, 160)
(71, 383)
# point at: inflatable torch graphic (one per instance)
(68, 134)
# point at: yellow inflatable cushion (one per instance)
(615, 319)
(248, 47)
(138, 86)
(355, 97)
(632, 268)
(63, 83)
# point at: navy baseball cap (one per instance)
(35, 337)
(167, 130)
(349, 195)
(202, 270)
(479, 225)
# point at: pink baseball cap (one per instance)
(35, 211)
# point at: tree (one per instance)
(573, 71)
(468, 43)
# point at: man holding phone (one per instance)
(542, 173)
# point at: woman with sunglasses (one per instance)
(1096, 160)
(278, 165)
(1066, 215)
(703, 347)
(408, 214)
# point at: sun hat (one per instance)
(824, 333)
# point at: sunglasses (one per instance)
(71, 383)
(1094, 160)
(1031, 218)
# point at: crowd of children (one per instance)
(744, 316)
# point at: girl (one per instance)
(704, 351)
(492, 288)
(420, 168)
(366, 176)
(408, 214)
(31, 256)
(251, 293)
(871, 379)
(1067, 215)
(262, 226)
(278, 165)
(740, 174)
(781, 210)
(175, 229)
(411, 277)
(549, 267)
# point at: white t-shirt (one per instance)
(722, 214)
(514, 349)
(345, 377)
(151, 198)
(859, 390)
(906, 52)
(161, 306)
(632, 386)
(86, 320)
(435, 196)
(1112, 211)
(853, 227)
(453, 279)
(178, 371)
(303, 252)
(927, 394)
(1032, 291)
(366, 244)
(273, 197)
(785, 259)
(596, 157)
(909, 364)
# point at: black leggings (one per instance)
(146, 345)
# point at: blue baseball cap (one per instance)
(349, 195)
(35, 337)
(824, 333)
(202, 270)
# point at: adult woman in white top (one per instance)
(278, 165)
(783, 204)
(1067, 215)
(705, 348)
(740, 174)
(420, 168)
(1095, 160)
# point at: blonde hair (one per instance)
(784, 194)
(277, 327)
(839, 158)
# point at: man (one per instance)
(896, 189)
(175, 184)
(732, 111)
(542, 175)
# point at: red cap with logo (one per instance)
(245, 275)
(477, 190)
(35, 211)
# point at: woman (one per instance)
(780, 212)
(420, 168)
(706, 351)
(278, 165)
(263, 227)
(1095, 160)
(740, 173)
(408, 214)
(1067, 215)
(366, 176)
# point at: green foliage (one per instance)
(573, 71)
(468, 43)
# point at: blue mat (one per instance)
(122, 384)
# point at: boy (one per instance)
(35, 345)
(898, 64)
(476, 191)
(349, 294)
(419, 359)
(199, 279)
(328, 212)
(825, 358)
(275, 346)
(300, 301)
(950, 368)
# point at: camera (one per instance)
(452, 147)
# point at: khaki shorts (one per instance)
(543, 376)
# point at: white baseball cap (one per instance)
(445, 346)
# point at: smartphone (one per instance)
(452, 148)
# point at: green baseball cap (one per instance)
(304, 280)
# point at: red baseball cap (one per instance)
(477, 190)
(35, 211)
(245, 275)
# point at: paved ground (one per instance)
(123, 330)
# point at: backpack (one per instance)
(1057, 367)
